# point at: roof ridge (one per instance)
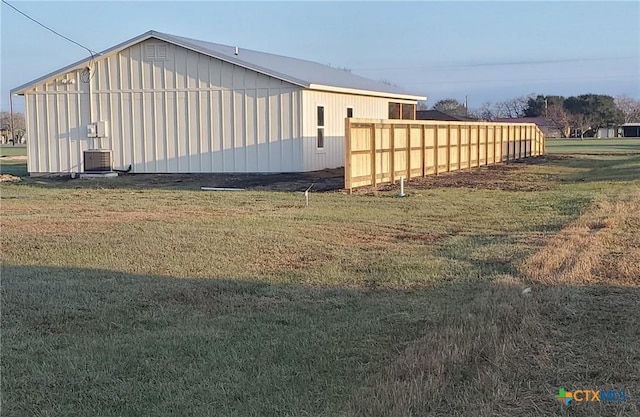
(300, 72)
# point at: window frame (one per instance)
(399, 110)
(320, 127)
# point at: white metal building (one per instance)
(168, 104)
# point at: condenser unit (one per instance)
(97, 160)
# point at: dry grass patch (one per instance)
(600, 247)
(490, 349)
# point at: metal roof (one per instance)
(307, 74)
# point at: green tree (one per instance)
(451, 106)
(539, 106)
(593, 111)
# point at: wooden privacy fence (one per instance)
(382, 151)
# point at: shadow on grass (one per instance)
(96, 342)
(597, 168)
(80, 341)
(15, 168)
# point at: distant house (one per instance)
(438, 115)
(607, 132)
(544, 124)
(631, 130)
(167, 104)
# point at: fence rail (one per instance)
(382, 151)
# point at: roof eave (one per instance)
(140, 38)
(333, 89)
(82, 63)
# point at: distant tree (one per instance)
(629, 107)
(593, 111)
(580, 123)
(512, 108)
(16, 124)
(422, 105)
(559, 118)
(485, 112)
(451, 106)
(538, 106)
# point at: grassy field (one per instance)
(127, 300)
(13, 160)
(593, 146)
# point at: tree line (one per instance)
(579, 115)
(12, 126)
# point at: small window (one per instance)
(320, 142)
(402, 111)
(394, 110)
(409, 111)
(349, 112)
(320, 138)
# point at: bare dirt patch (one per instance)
(9, 178)
(324, 180)
(510, 176)
(4, 158)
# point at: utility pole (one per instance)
(13, 134)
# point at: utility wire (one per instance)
(93, 53)
(522, 80)
(494, 64)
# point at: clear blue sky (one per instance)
(489, 51)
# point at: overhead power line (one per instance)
(91, 52)
(522, 80)
(495, 64)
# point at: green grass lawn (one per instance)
(593, 146)
(8, 150)
(122, 300)
(9, 164)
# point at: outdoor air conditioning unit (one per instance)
(97, 160)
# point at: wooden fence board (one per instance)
(382, 151)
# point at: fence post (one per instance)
(469, 148)
(392, 157)
(408, 151)
(373, 154)
(520, 144)
(436, 150)
(459, 147)
(423, 159)
(486, 147)
(347, 155)
(508, 142)
(478, 146)
(448, 147)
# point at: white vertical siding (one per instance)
(335, 111)
(187, 112)
(184, 113)
(56, 113)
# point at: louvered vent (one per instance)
(97, 161)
